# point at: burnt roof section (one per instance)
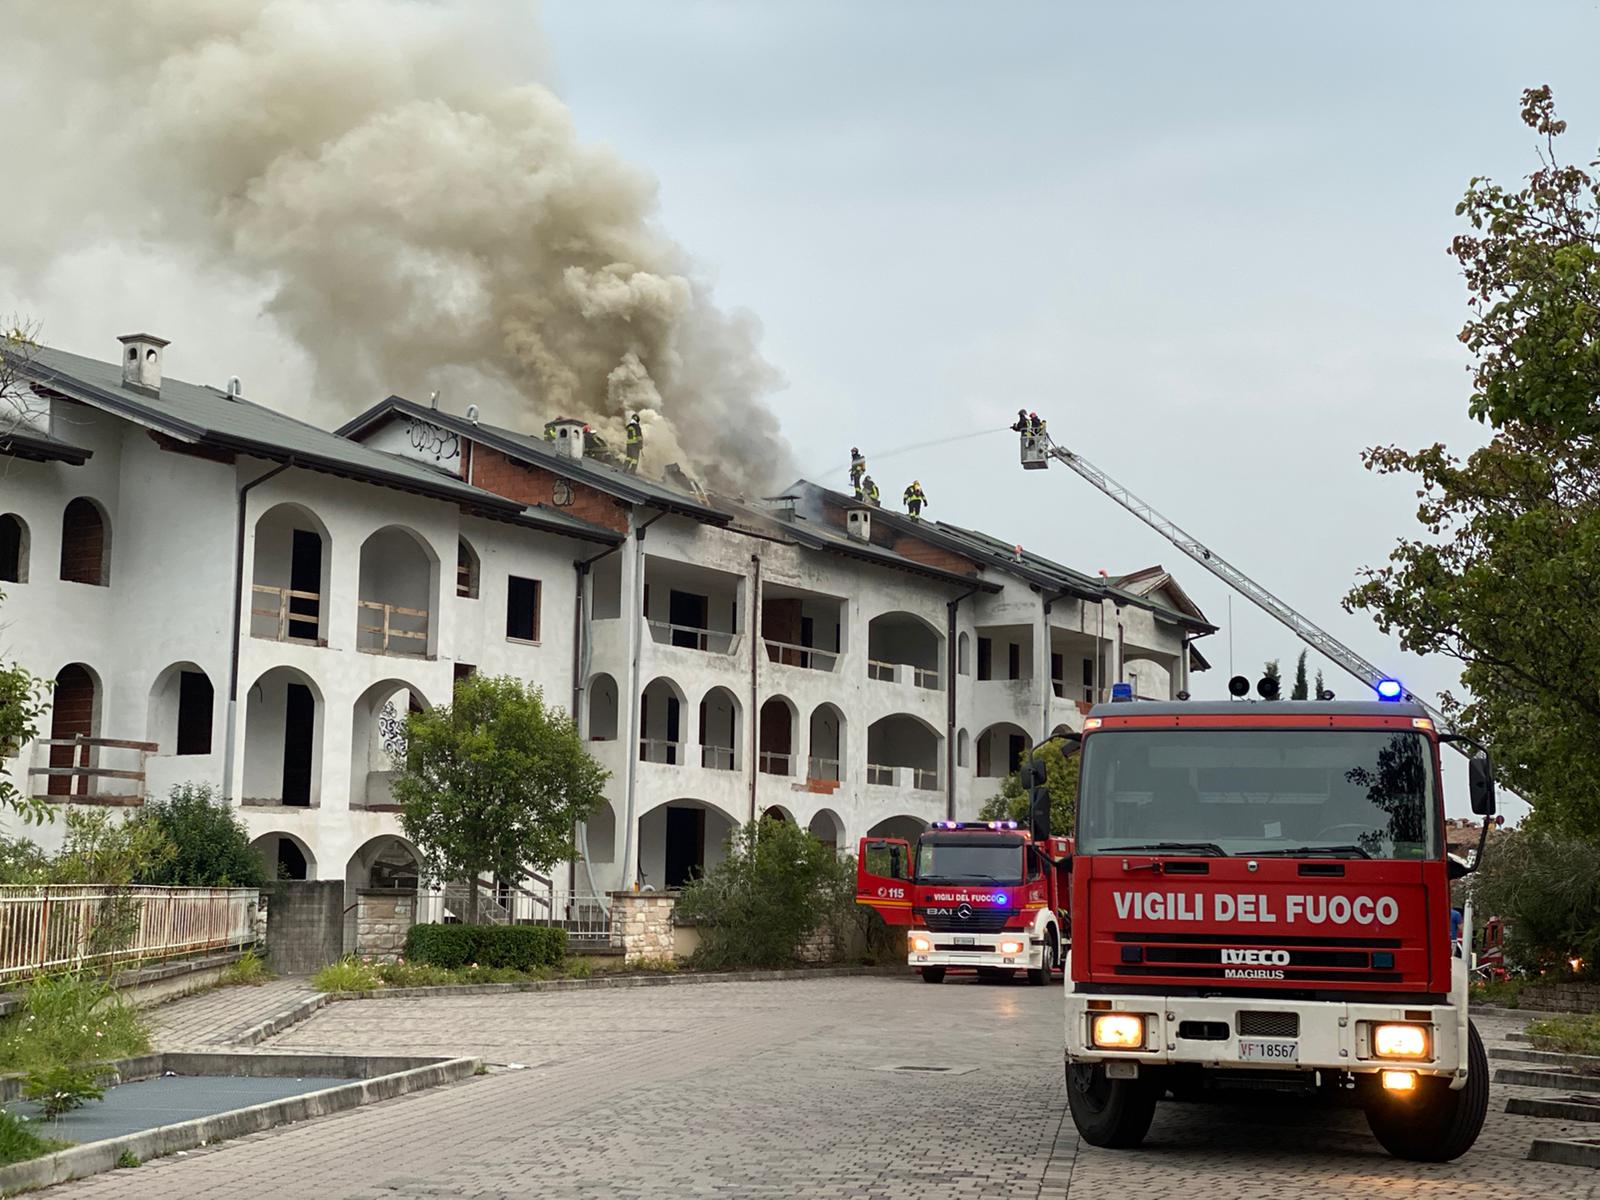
(1249, 710)
(634, 489)
(202, 415)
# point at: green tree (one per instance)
(1060, 776)
(1269, 670)
(494, 782)
(21, 706)
(1302, 689)
(1319, 685)
(1503, 575)
(211, 844)
(776, 886)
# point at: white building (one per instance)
(225, 595)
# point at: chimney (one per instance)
(858, 523)
(141, 362)
(566, 436)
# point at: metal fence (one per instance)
(58, 927)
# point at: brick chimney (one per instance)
(141, 362)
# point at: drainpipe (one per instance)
(950, 704)
(755, 712)
(640, 632)
(1047, 693)
(228, 738)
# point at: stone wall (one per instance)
(643, 922)
(383, 917)
(1568, 996)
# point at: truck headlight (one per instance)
(1117, 1031)
(1010, 948)
(1400, 1041)
(920, 944)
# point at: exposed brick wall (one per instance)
(83, 543)
(920, 551)
(505, 476)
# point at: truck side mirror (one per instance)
(1480, 784)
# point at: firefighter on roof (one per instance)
(915, 499)
(858, 468)
(869, 490)
(635, 442)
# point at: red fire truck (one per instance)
(983, 895)
(1260, 895)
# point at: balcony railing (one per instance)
(806, 657)
(288, 615)
(660, 750)
(716, 758)
(689, 637)
(916, 778)
(888, 672)
(773, 762)
(824, 770)
(73, 769)
(391, 629)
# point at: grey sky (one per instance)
(1206, 240)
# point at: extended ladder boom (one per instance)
(1038, 449)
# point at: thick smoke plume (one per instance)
(418, 215)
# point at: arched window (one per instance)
(13, 549)
(85, 543)
(466, 570)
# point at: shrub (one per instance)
(62, 1088)
(1569, 1035)
(127, 1159)
(18, 1141)
(776, 886)
(212, 845)
(249, 969)
(1546, 888)
(519, 947)
(349, 974)
(579, 968)
(70, 1019)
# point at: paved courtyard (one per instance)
(783, 1089)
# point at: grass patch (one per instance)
(1505, 993)
(70, 1019)
(248, 970)
(351, 974)
(19, 1143)
(1567, 1035)
(127, 1159)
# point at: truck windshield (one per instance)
(1294, 792)
(988, 861)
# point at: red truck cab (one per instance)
(987, 896)
(1261, 895)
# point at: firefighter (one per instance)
(869, 490)
(635, 443)
(1035, 424)
(1021, 425)
(858, 468)
(915, 499)
(550, 432)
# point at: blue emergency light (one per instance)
(1389, 689)
(1121, 692)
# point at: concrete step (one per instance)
(1562, 1108)
(1556, 1079)
(1552, 1058)
(1572, 1152)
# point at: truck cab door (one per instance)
(883, 878)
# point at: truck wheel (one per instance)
(1432, 1123)
(1042, 975)
(1113, 1113)
(932, 974)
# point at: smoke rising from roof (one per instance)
(420, 216)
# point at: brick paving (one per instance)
(778, 1089)
(214, 1018)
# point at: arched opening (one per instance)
(827, 828)
(74, 723)
(825, 761)
(1001, 749)
(181, 709)
(13, 549)
(900, 826)
(378, 742)
(661, 717)
(1152, 680)
(387, 862)
(776, 735)
(719, 730)
(600, 834)
(602, 709)
(381, 875)
(964, 654)
(284, 856)
(467, 567)
(283, 740)
(963, 748)
(900, 647)
(903, 752)
(85, 543)
(680, 841)
(1061, 731)
(397, 589)
(777, 812)
(291, 562)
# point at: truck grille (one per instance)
(1230, 957)
(1269, 1024)
(967, 919)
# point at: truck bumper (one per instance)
(1206, 1032)
(984, 951)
